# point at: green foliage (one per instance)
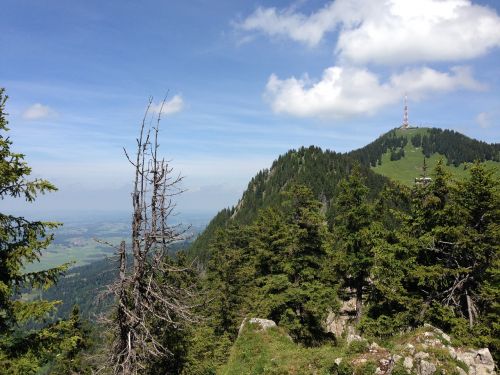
(295, 288)
(367, 368)
(441, 264)
(275, 269)
(455, 147)
(74, 340)
(319, 170)
(357, 347)
(412, 256)
(272, 352)
(207, 351)
(405, 164)
(25, 351)
(353, 230)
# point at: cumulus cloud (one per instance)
(389, 31)
(38, 112)
(176, 104)
(308, 30)
(344, 92)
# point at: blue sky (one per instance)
(247, 81)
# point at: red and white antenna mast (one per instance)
(405, 124)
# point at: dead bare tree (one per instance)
(140, 297)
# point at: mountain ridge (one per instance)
(322, 170)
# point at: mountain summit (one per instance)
(400, 155)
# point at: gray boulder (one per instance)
(263, 323)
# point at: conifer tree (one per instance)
(291, 247)
(353, 247)
(22, 241)
(230, 275)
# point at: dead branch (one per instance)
(142, 295)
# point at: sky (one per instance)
(245, 81)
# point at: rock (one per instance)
(421, 355)
(338, 323)
(338, 361)
(484, 357)
(440, 332)
(396, 358)
(435, 329)
(426, 368)
(452, 351)
(408, 363)
(374, 347)
(353, 337)
(385, 362)
(433, 342)
(460, 371)
(264, 323)
(446, 338)
(410, 348)
(480, 362)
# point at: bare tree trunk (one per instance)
(122, 343)
(140, 297)
(469, 309)
(359, 301)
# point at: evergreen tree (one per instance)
(291, 247)
(75, 339)
(230, 277)
(353, 237)
(441, 264)
(22, 241)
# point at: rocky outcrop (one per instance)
(426, 352)
(480, 362)
(340, 322)
(263, 323)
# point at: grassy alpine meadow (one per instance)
(410, 166)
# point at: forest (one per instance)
(315, 230)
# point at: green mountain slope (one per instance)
(318, 169)
(398, 155)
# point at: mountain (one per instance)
(398, 155)
(318, 169)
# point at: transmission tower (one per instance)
(405, 124)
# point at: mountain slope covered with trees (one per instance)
(316, 232)
(400, 155)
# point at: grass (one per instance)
(273, 352)
(410, 166)
(78, 253)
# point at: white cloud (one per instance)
(176, 104)
(483, 119)
(389, 31)
(38, 112)
(308, 30)
(344, 92)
